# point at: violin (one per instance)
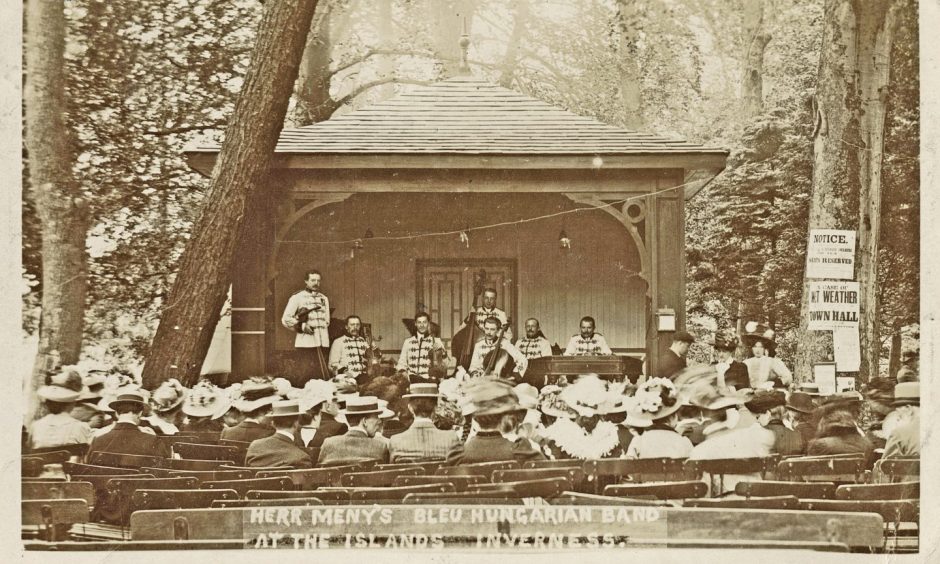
(437, 369)
(373, 356)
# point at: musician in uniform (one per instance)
(489, 309)
(534, 345)
(415, 358)
(308, 313)
(348, 353)
(489, 342)
(587, 342)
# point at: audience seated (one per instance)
(903, 440)
(256, 396)
(279, 449)
(422, 441)
(659, 402)
(364, 416)
(58, 427)
(770, 408)
(126, 437)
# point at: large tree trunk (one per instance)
(60, 207)
(631, 98)
(756, 38)
(507, 68)
(192, 310)
(850, 101)
(314, 103)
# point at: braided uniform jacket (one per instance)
(350, 353)
(318, 320)
(579, 346)
(534, 348)
(415, 357)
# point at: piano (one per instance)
(609, 367)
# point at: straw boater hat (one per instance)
(168, 396)
(907, 393)
(422, 390)
(256, 392)
(128, 397)
(286, 408)
(206, 400)
(366, 405)
(63, 387)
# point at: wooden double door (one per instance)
(445, 289)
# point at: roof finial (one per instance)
(464, 68)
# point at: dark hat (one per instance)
(765, 401)
(130, 397)
(759, 333)
(683, 336)
(724, 342)
(800, 401)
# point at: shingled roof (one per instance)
(466, 116)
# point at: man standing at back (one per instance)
(308, 314)
(421, 441)
(673, 361)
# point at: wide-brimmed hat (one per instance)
(168, 395)
(658, 398)
(128, 397)
(286, 408)
(491, 397)
(585, 395)
(724, 342)
(366, 405)
(206, 400)
(801, 401)
(528, 396)
(759, 333)
(345, 385)
(763, 402)
(907, 393)
(256, 392)
(810, 389)
(627, 405)
(422, 390)
(314, 393)
(65, 386)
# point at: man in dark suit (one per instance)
(492, 401)
(329, 426)
(364, 416)
(673, 361)
(279, 449)
(126, 436)
(770, 408)
(257, 395)
(422, 441)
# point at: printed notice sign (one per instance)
(831, 254)
(832, 305)
(848, 353)
(547, 527)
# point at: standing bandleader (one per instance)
(308, 313)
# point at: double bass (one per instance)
(461, 345)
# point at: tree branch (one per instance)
(183, 129)
(372, 84)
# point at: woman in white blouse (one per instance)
(764, 369)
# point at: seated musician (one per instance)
(415, 358)
(587, 342)
(348, 353)
(488, 343)
(534, 345)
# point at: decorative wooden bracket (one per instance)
(288, 214)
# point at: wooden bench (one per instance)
(31, 466)
(59, 490)
(255, 470)
(573, 474)
(203, 437)
(580, 498)
(773, 502)
(852, 470)
(337, 494)
(197, 465)
(812, 490)
(662, 490)
(294, 501)
(308, 479)
(546, 488)
(504, 496)
(394, 494)
(378, 478)
(900, 490)
(896, 469)
(430, 466)
(213, 475)
(52, 518)
(718, 468)
(606, 471)
(145, 499)
(563, 463)
(115, 508)
(76, 468)
(191, 451)
(478, 469)
(893, 512)
(121, 460)
(460, 483)
(243, 486)
(59, 454)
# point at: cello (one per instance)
(498, 363)
(464, 340)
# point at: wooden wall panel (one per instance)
(557, 286)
